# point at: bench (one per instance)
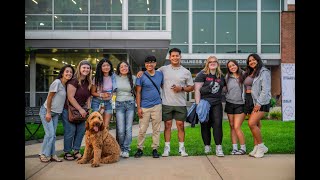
(32, 117)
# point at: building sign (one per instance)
(223, 62)
(193, 61)
(288, 91)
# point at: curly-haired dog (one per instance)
(101, 146)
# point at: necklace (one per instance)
(175, 68)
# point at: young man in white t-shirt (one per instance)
(177, 80)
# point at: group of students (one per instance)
(78, 88)
(247, 93)
(158, 95)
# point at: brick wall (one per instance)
(287, 47)
(288, 37)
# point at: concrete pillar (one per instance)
(32, 79)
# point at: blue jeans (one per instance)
(73, 133)
(125, 114)
(50, 128)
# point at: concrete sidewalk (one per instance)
(273, 166)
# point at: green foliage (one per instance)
(273, 102)
(275, 113)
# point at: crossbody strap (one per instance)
(153, 84)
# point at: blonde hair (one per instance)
(206, 69)
(77, 74)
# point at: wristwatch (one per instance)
(182, 89)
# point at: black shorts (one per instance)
(248, 107)
(231, 108)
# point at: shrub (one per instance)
(275, 113)
(273, 102)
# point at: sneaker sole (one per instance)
(163, 155)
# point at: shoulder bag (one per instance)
(153, 84)
(74, 115)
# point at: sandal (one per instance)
(234, 151)
(77, 155)
(68, 157)
(55, 158)
(44, 158)
(241, 152)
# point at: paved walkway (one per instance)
(275, 166)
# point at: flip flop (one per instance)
(55, 158)
(43, 158)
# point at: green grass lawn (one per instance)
(278, 136)
(40, 133)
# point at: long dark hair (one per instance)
(239, 71)
(63, 69)
(129, 75)
(98, 77)
(250, 70)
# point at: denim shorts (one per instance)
(96, 102)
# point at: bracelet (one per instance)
(100, 95)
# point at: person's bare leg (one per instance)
(238, 120)
(167, 130)
(232, 130)
(180, 127)
(253, 125)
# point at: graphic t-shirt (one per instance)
(211, 90)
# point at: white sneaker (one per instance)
(253, 152)
(259, 153)
(121, 153)
(219, 151)
(125, 154)
(207, 149)
(182, 151)
(166, 151)
(265, 149)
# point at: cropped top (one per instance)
(248, 82)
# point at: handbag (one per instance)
(74, 115)
(192, 116)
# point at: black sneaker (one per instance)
(138, 154)
(155, 153)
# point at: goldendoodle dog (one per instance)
(101, 146)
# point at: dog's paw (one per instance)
(95, 165)
(91, 161)
(81, 161)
